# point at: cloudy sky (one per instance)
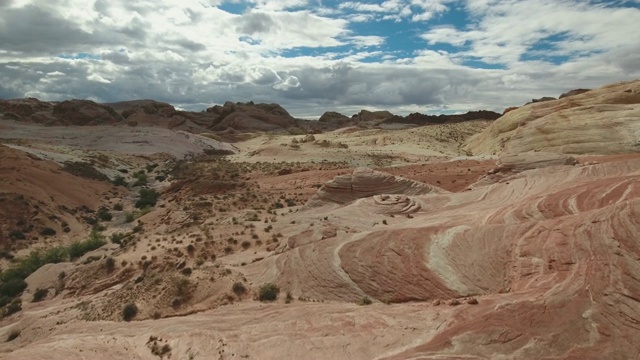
(311, 56)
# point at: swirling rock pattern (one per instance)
(365, 182)
(552, 257)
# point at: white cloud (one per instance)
(308, 56)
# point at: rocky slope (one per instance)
(600, 121)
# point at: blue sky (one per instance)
(312, 56)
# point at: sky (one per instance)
(312, 56)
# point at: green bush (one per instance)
(148, 198)
(116, 238)
(117, 207)
(129, 311)
(40, 294)
(12, 288)
(104, 214)
(78, 249)
(268, 292)
(141, 179)
(119, 181)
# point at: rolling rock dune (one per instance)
(600, 121)
(539, 258)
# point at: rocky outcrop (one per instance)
(332, 116)
(542, 99)
(368, 116)
(18, 109)
(422, 119)
(85, 112)
(573, 93)
(532, 160)
(601, 121)
(250, 117)
(365, 182)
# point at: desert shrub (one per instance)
(246, 244)
(119, 181)
(47, 232)
(12, 287)
(151, 167)
(268, 292)
(104, 214)
(94, 241)
(148, 198)
(129, 311)
(365, 300)
(117, 207)
(289, 298)
(239, 288)
(54, 255)
(17, 235)
(14, 307)
(141, 178)
(129, 217)
(116, 238)
(40, 294)
(13, 334)
(161, 178)
(110, 264)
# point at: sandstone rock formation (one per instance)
(550, 253)
(532, 160)
(601, 121)
(250, 116)
(573, 92)
(364, 182)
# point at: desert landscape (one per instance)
(135, 230)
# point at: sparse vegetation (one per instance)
(239, 288)
(104, 214)
(129, 311)
(110, 264)
(94, 242)
(40, 294)
(365, 300)
(268, 292)
(17, 235)
(148, 198)
(119, 181)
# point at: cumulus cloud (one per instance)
(312, 56)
